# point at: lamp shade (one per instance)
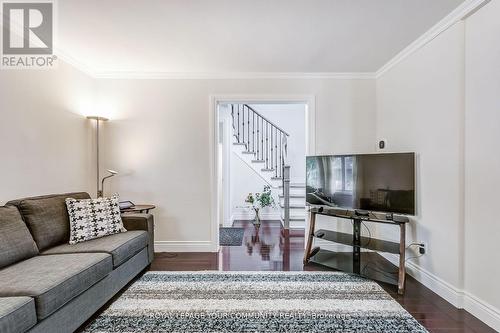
(99, 118)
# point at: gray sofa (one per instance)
(47, 285)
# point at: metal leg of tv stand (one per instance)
(356, 249)
(310, 236)
(402, 266)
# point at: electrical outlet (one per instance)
(422, 248)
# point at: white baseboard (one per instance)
(486, 312)
(185, 246)
(461, 299)
(250, 216)
(275, 216)
(431, 281)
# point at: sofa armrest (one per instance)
(142, 222)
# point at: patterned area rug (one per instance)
(254, 302)
(231, 236)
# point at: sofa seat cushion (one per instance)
(54, 280)
(122, 246)
(16, 242)
(47, 217)
(17, 314)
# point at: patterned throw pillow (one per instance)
(93, 218)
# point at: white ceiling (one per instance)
(214, 36)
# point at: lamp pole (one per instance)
(98, 119)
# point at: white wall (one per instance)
(420, 108)
(482, 157)
(442, 101)
(243, 181)
(46, 142)
(160, 140)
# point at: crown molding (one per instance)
(145, 75)
(463, 11)
(62, 55)
(231, 75)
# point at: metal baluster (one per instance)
(272, 148)
(232, 118)
(262, 138)
(248, 128)
(257, 141)
(238, 124)
(264, 131)
(267, 145)
(276, 152)
(253, 132)
(281, 155)
(243, 123)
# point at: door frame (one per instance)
(214, 101)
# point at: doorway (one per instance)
(242, 164)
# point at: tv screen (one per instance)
(374, 182)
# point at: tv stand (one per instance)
(368, 263)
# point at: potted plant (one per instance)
(260, 200)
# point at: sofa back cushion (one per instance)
(16, 243)
(47, 217)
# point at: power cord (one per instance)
(415, 257)
(369, 234)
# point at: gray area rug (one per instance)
(231, 236)
(254, 302)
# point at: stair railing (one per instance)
(267, 142)
(263, 138)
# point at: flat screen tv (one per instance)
(372, 182)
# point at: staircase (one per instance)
(297, 205)
(262, 145)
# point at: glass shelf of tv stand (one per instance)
(365, 242)
(364, 259)
(372, 265)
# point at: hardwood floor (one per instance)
(265, 249)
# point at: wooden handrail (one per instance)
(270, 122)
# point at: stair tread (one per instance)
(248, 152)
(258, 161)
(295, 196)
(239, 144)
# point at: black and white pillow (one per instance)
(93, 218)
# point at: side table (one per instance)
(138, 209)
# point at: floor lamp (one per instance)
(112, 173)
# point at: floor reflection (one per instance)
(265, 248)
